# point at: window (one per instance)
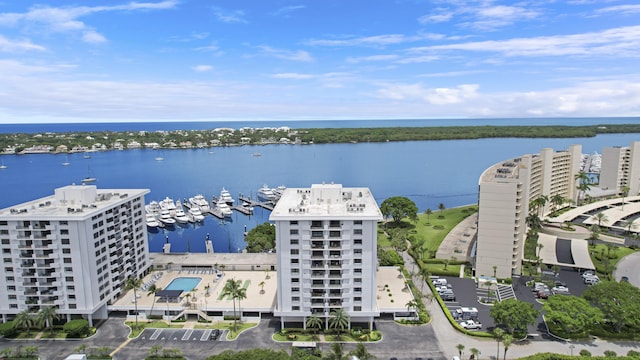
(11, 288)
(295, 308)
(293, 231)
(295, 280)
(357, 251)
(13, 297)
(357, 222)
(295, 251)
(295, 261)
(357, 231)
(295, 271)
(357, 308)
(357, 271)
(357, 298)
(64, 232)
(294, 242)
(316, 224)
(66, 251)
(357, 281)
(295, 298)
(357, 289)
(65, 241)
(293, 222)
(357, 241)
(317, 234)
(357, 261)
(295, 289)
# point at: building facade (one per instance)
(505, 192)
(621, 168)
(326, 241)
(73, 250)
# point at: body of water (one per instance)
(428, 172)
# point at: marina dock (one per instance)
(263, 204)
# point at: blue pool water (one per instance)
(185, 284)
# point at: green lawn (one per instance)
(431, 230)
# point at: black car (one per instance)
(215, 334)
(624, 279)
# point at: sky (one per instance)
(193, 60)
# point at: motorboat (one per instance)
(165, 217)
(180, 215)
(168, 204)
(152, 222)
(266, 193)
(224, 208)
(226, 196)
(277, 192)
(196, 214)
(200, 202)
(153, 208)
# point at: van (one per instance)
(466, 313)
(439, 281)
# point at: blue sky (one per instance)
(172, 60)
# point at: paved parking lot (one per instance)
(467, 296)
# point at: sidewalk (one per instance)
(448, 337)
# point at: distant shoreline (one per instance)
(92, 141)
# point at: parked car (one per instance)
(591, 280)
(562, 290)
(543, 294)
(588, 273)
(448, 296)
(471, 325)
(560, 283)
(215, 334)
(439, 281)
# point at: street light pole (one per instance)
(571, 347)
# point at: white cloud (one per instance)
(484, 16)
(293, 55)
(65, 19)
(623, 41)
(622, 9)
(374, 41)
(10, 46)
(294, 76)
(372, 58)
(202, 68)
(435, 96)
(288, 10)
(230, 16)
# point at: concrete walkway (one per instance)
(448, 337)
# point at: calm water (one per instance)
(428, 172)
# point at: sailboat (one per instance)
(3, 166)
(66, 162)
(89, 179)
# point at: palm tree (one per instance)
(339, 320)
(475, 353)
(507, 339)
(337, 352)
(441, 208)
(428, 212)
(412, 304)
(537, 205)
(47, 315)
(584, 184)
(424, 272)
(534, 223)
(624, 193)
(261, 284)
(134, 283)
(628, 224)
(539, 246)
(557, 200)
(595, 233)
(600, 217)
(24, 319)
(361, 353)
(231, 288)
(314, 322)
(460, 347)
(153, 290)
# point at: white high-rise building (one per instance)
(73, 250)
(621, 168)
(505, 191)
(326, 240)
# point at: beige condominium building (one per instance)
(621, 168)
(505, 191)
(73, 250)
(326, 241)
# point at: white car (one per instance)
(471, 325)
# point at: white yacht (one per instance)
(266, 193)
(224, 208)
(151, 221)
(153, 208)
(165, 217)
(168, 204)
(200, 202)
(180, 215)
(226, 196)
(196, 214)
(277, 192)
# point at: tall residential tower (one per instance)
(326, 239)
(73, 251)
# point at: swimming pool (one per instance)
(185, 284)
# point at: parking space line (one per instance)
(155, 334)
(206, 335)
(187, 334)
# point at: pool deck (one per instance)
(255, 301)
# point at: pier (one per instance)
(263, 204)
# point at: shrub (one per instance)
(77, 328)
(8, 330)
(292, 336)
(633, 353)
(610, 353)
(585, 353)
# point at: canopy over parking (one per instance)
(579, 252)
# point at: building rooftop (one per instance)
(503, 170)
(71, 202)
(326, 200)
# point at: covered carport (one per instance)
(579, 252)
